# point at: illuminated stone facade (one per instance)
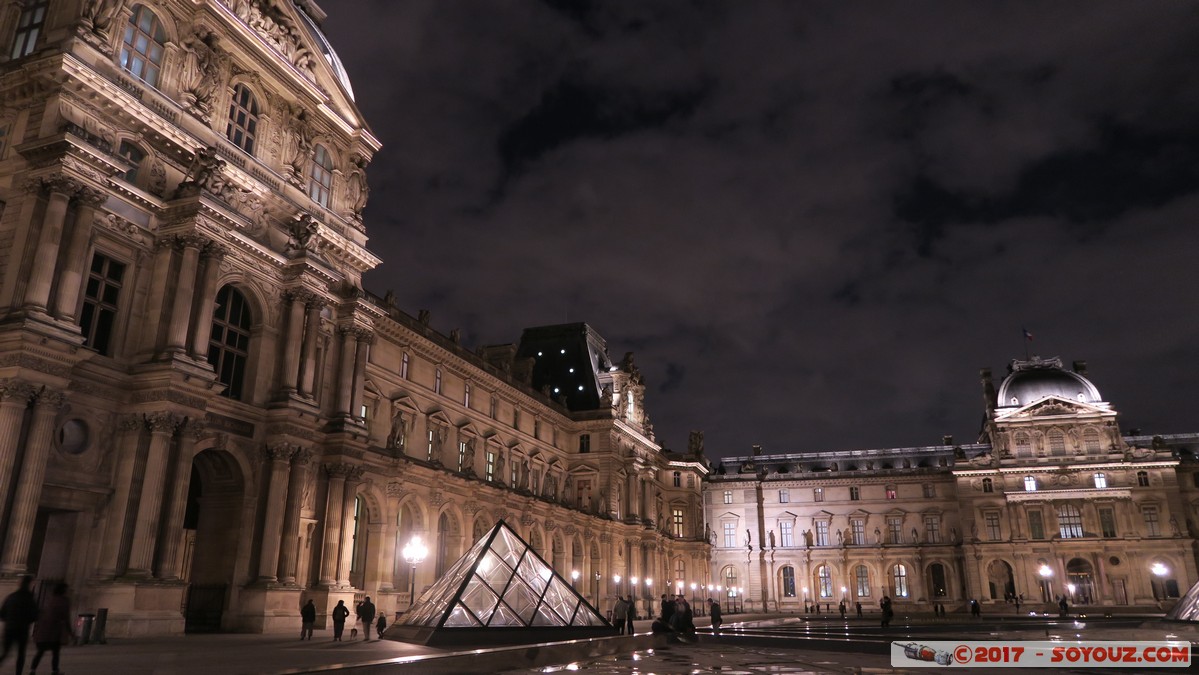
(204, 421)
(1053, 500)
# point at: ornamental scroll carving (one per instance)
(278, 29)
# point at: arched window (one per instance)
(824, 581)
(900, 576)
(229, 345)
(143, 45)
(730, 580)
(1090, 439)
(134, 155)
(788, 582)
(1057, 442)
(320, 182)
(862, 581)
(243, 119)
(1023, 447)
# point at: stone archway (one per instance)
(212, 524)
(449, 542)
(1080, 584)
(1001, 582)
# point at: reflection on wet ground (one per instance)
(697, 659)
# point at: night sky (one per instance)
(812, 222)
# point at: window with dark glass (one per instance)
(229, 346)
(937, 572)
(1152, 526)
(143, 45)
(584, 443)
(320, 182)
(788, 582)
(988, 486)
(857, 532)
(932, 530)
(677, 479)
(1107, 522)
(100, 299)
(29, 26)
(930, 490)
(134, 155)
(1143, 478)
(242, 127)
(1036, 527)
(991, 519)
(855, 493)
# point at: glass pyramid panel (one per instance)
(501, 581)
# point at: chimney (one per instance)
(757, 450)
(947, 439)
(1080, 367)
(988, 390)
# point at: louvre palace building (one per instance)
(1053, 500)
(204, 420)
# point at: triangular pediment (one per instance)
(1052, 406)
(501, 583)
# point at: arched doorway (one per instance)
(409, 524)
(449, 542)
(1079, 581)
(938, 581)
(1000, 581)
(212, 530)
(559, 563)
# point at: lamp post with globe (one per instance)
(414, 553)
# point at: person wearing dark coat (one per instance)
(366, 611)
(52, 626)
(619, 611)
(307, 620)
(885, 606)
(380, 625)
(19, 611)
(340, 612)
(714, 612)
(630, 614)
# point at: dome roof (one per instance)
(1037, 378)
(343, 78)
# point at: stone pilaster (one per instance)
(61, 189)
(278, 456)
(29, 483)
(70, 281)
(353, 479)
(345, 370)
(15, 396)
(185, 291)
(289, 553)
(211, 255)
(334, 496)
(363, 340)
(129, 429)
(294, 336)
(168, 559)
(312, 334)
(145, 533)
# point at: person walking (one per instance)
(619, 611)
(380, 625)
(630, 614)
(841, 607)
(885, 606)
(1061, 605)
(1018, 599)
(975, 610)
(340, 612)
(366, 611)
(19, 611)
(51, 628)
(714, 612)
(307, 620)
(859, 608)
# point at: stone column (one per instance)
(345, 370)
(294, 340)
(334, 496)
(288, 554)
(29, 484)
(634, 500)
(185, 290)
(353, 479)
(145, 533)
(391, 534)
(212, 255)
(168, 560)
(61, 189)
(312, 334)
(14, 399)
(279, 456)
(360, 354)
(129, 429)
(70, 281)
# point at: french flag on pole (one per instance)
(1027, 335)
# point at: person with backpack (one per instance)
(340, 612)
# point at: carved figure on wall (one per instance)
(524, 475)
(395, 439)
(878, 536)
(915, 536)
(97, 19)
(468, 458)
(840, 538)
(157, 183)
(302, 230)
(357, 189)
(772, 539)
(438, 440)
(551, 486)
(1174, 525)
(568, 489)
(807, 538)
(204, 168)
(499, 468)
(203, 71)
(299, 147)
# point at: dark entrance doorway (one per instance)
(213, 520)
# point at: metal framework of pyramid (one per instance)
(500, 591)
(1187, 608)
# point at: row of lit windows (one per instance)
(1099, 480)
(822, 533)
(826, 589)
(143, 48)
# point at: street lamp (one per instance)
(1159, 569)
(805, 599)
(649, 599)
(574, 576)
(414, 553)
(1045, 571)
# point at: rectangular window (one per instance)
(677, 479)
(516, 418)
(1152, 526)
(437, 382)
(676, 518)
(788, 582)
(1107, 522)
(466, 394)
(1143, 478)
(862, 577)
(988, 485)
(855, 493)
(786, 535)
(822, 533)
(430, 455)
(461, 455)
(817, 494)
(100, 299)
(930, 490)
(29, 26)
(404, 366)
(991, 519)
(894, 530)
(857, 529)
(491, 408)
(1030, 484)
(784, 496)
(932, 530)
(1069, 520)
(1100, 481)
(536, 428)
(730, 535)
(891, 492)
(490, 466)
(584, 444)
(1036, 527)
(728, 496)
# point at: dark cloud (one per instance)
(813, 222)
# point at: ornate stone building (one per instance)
(1053, 500)
(204, 420)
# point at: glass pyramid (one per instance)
(499, 586)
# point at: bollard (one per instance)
(83, 634)
(99, 626)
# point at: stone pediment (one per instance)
(1052, 406)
